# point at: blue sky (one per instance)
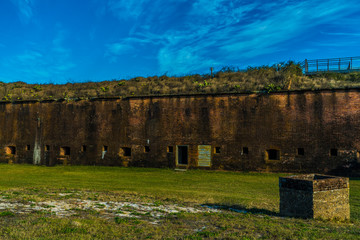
(59, 41)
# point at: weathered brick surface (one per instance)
(332, 204)
(314, 196)
(316, 121)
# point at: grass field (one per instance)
(88, 202)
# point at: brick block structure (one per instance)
(314, 196)
(295, 131)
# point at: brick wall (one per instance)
(310, 131)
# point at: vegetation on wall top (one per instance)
(279, 77)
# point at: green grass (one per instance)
(195, 186)
(256, 193)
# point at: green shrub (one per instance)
(37, 88)
(6, 213)
(272, 88)
(104, 89)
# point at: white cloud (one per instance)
(115, 50)
(118, 48)
(183, 61)
(25, 8)
(131, 45)
(29, 55)
(219, 32)
(125, 9)
(229, 31)
(342, 34)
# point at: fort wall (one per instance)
(304, 131)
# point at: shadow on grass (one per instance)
(241, 209)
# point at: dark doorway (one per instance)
(182, 155)
(125, 152)
(273, 154)
(333, 152)
(300, 152)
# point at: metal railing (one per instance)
(341, 65)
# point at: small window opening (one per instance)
(147, 149)
(245, 150)
(333, 152)
(217, 150)
(27, 148)
(83, 148)
(105, 148)
(170, 149)
(273, 154)
(300, 151)
(10, 150)
(65, 151)
(125, 151)
(47, 148)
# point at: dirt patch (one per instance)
(151, 211)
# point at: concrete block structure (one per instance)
(314, 196)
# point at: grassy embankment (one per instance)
(279, 77)
(255, 193)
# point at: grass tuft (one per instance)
(6, 213)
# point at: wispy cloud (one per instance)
(124, 9)
(131, 45)
(220, 36)
(114, 50)
(25, 8)
(118, 48)
(219, 32)
(342, 34)
(40, 64)
(308, 50)
(337, 44)
(29, 55)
